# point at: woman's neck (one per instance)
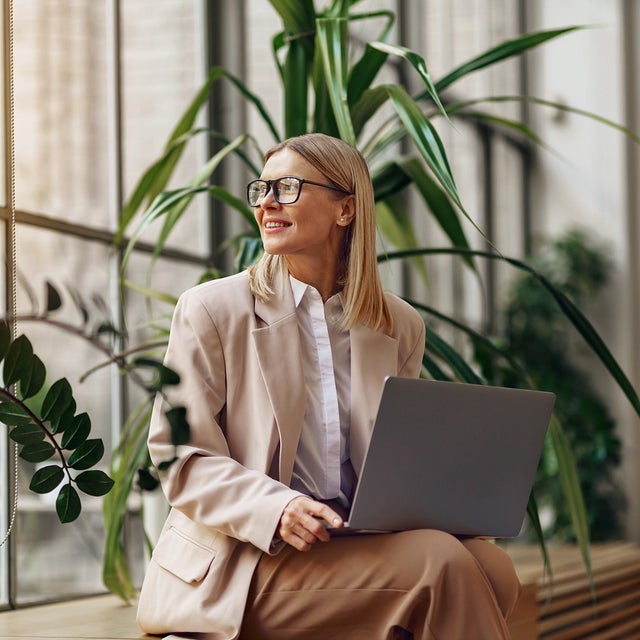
(319, 275)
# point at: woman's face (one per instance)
(310, 227)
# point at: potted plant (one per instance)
(325, 92)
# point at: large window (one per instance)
(99, 84)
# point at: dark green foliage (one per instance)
(51, 429)
(538, 332)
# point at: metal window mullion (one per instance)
(102, 236)
(9, 580)
(527, 156)
(115, 191)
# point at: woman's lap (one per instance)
(365, 586)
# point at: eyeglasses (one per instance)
(286, 190)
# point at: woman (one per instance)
(281, 370)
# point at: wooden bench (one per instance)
(565, 610)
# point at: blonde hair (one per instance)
(345, 167)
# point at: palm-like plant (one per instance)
(325, 91)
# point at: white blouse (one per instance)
(322, 466)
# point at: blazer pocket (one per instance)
(183, 556)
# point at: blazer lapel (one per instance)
(374, 356)
(278, 350)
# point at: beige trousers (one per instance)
(424, 584)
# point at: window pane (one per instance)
(162, 70)
(3, 155)
(55, 560)
(5, 452)
(61, 109)
(6, 457)
(149, 322)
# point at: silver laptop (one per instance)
(456, 457)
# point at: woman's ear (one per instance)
(348, 212)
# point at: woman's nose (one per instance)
(268, 200)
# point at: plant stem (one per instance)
(7, 394)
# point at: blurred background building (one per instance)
(99, 85)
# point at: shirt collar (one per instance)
(299, 288)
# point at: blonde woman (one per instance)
(282, 368)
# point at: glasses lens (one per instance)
(287, 190)
(255, 191)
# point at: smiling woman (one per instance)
(310, 229)
(282, 368)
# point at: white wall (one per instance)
(585, 185)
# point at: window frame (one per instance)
(22, 217)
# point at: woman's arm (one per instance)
(206, 483)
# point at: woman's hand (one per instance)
(301, 523)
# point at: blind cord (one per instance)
(12, 244)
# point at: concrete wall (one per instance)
(590, 183)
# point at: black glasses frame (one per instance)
(273, 184)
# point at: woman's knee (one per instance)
(499, 569)
(439, 555)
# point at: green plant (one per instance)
(538, 332)
(312, 51)
(327, 89)
(42, 418)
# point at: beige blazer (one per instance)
(242, 383)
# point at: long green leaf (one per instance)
(433, 368)
(393, 220)
(389, 180)
(367, 106)
(460, 107)
(174, 214)
(507, 123)
(156, 177)
(296, 89)
(333, 42)
(426, 139)
(297, 15)
(474, 335)
(449, 355)
(255, 100)
(14, 415)
(428, 143)
(418, 63)
(130, 455)
(507, 49)
(33, 381)
(166, 201)
(534, 517)
(324, 119)
(365, 70)
(570, 483)
(575, 316)
(441, 207)
(153, 294)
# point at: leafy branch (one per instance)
(24, 376)
(53, 430)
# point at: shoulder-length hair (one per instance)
(345, 167)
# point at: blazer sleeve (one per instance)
(205, 482)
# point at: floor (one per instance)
(97, 618)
